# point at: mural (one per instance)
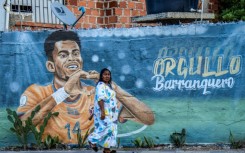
(73, 99)
(167, 78)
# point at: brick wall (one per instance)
(213, 6)
(104, 14)
(108, 13)
(99, 14)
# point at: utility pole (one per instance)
(7, 9)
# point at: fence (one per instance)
(39, 9)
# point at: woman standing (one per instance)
(105, 114)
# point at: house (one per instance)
(37, 14)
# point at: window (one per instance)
(23, 6)
(40, 9)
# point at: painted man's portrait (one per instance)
(69, 95)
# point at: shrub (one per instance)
(21, 128)
(51, 142)
(147, 142)
(234, 144)
(232, 10)
(178, 139)
(81, 139)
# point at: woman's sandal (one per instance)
(93, 146)
(109, 151)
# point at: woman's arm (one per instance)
(102, 109)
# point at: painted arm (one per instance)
(45, 107)
(72, 87)
(133, 107)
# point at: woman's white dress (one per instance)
(105, 131)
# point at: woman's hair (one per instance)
(101, 73)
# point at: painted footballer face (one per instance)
(67, 59)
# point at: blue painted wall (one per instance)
(155, 64)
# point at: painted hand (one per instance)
(73, 85)
(94, 75)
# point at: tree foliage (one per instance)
(232, 10)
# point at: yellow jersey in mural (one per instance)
(72, 115)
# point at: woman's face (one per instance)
(106, 76)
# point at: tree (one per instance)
(232, 10)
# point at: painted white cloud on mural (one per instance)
(190, 29)
(126, 69)
(149, 67)
(14, 86)
(182, 30)
(144, 52)
(121, 55)
(118, 32)
(139, 83)
(122, 77)
(101, 44)
(200, 29)
(126, 33)
(95, 58)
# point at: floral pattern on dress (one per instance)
(105, 131)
